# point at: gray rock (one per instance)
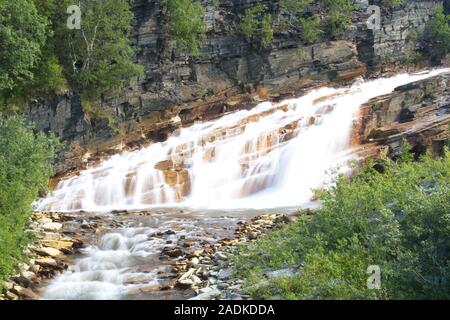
(224, 274)
(210, 295)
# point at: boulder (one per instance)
(208, 295)
(52, 226)
(47, 252)
(47, 262)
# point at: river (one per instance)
(205, 178)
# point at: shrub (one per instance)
(256, 23)
(310, 29)
(25, 167)
(437, 35)
(185, 19)
(398, 220)
(294, 6)
(413, 58)
(22, 35)
(392, 3)
(339, 14)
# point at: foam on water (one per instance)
(270, 156)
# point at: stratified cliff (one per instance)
(229, 73)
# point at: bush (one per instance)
(41, 57)
(23, 33)
(294, 6)
(256, 23)
(398, 220)
(25, 167)
(310, 29)
(392, 3)
(413, 58)
(437, 35)
(339, 14)
(185, 19)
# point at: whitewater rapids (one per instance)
(274, 155)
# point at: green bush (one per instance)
(186, 22)
(256, 23)
(294, 6)
(392, 3)
(398, 220)
(25, 167)
(310, 29)
(41, 57)
(437, 35)
(413, 58)
(339, 14)
(23, 33)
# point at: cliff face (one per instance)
(229, 73)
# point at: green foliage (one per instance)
(25, 167)
(437, 34)
(22, 35)
(413, 58)
(43, 57)
(310, 29)
(339, 14)
(186, 22)
(398, 220)
(294, 6)
(257, 23)
(98, 58)
(392, 3)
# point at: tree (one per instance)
(437, 34)
(257, 23)
(98, 57)
(25, 168)
(185, 20)
(23, 33)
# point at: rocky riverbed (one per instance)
(55, 245)
(175, 255)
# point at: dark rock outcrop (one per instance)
(418, 112)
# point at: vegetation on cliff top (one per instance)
(41, 56)
(25, 167)
(437, 35)
(185, 20)
(398, 220)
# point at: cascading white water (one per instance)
(270, 156)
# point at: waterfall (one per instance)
(271, 156)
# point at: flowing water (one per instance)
(271, 156)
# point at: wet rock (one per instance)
(144, 289)
(137, 279)
(173, 252)
(168, 284)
